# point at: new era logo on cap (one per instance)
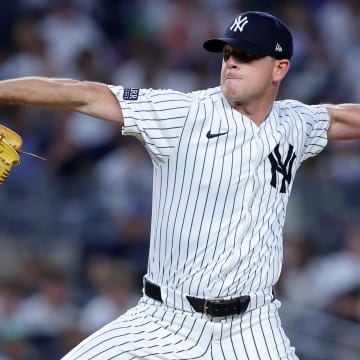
(257, 33)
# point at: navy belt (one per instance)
(213, 307)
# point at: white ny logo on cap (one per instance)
(239, 24)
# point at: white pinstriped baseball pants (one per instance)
(153, 331)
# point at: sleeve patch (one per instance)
(130, 94)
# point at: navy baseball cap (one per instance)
(257, 33)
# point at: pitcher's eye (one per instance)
(226, 55)
(241, 56)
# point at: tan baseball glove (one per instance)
(10, 147)
(10, 144)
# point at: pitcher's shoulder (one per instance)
(289, 104)
(294, 109)
(210, 93)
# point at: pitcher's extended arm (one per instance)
(90, 98)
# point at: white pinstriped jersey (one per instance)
(219, 201)
(221, 186)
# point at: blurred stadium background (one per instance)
(74, 229)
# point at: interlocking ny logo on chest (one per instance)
(284, 168)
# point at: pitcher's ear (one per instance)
(281, 68)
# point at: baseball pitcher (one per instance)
(224, 164)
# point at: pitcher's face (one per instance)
(245, 77)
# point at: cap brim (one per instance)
(217, 45)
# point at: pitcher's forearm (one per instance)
(345, 121)
(90, 98)
(43, 92)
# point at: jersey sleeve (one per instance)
(317, 125)
(155, 117)
(311, 123)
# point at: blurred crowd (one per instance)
(74, 229)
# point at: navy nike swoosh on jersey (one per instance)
(210, 135)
